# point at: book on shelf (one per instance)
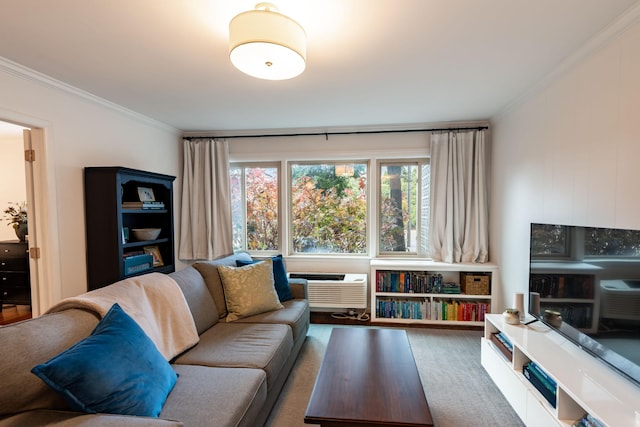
(143, 205)
(410, 282)
(132, 254)
(502, 346)
(533, 375)
(391, 308)
(451, 288)
(588, 420)
(504, 340)
(425, 309)
(576, 314)
(563, 285)
(546, 379)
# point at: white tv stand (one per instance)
(585, 384)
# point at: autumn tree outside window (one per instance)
(328, 204)
(254, 206)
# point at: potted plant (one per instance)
(16, 216)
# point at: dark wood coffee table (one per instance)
(368, 377)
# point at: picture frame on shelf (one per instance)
(154, 251)
(145, 194)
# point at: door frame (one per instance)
(45, 272)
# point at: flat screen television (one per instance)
(588, 282)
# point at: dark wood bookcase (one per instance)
(109, 225)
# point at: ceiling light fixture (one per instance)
(266, 44)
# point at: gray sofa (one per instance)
(232, 377)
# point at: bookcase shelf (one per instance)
(584, 385)
(569, 288)
(111, 245)
(414, 292)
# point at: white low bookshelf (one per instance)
(584, 383)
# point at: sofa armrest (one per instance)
(299, 288)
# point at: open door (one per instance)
(34, 249)
(43, 236)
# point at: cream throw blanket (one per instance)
(154, 301)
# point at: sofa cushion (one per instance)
(249, 290)
(248, 345)
(117, 369)
(28, 343)
(209, 396)
(295, 314)
(281, 281)
(203, 308)
(209, 271)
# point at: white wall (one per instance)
(83, 131)
(12, 179)
(568, 154)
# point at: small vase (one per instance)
(21, 231)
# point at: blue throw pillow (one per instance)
(117, 370)
(279, 277)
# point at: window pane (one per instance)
(329, 208)
(254, 199)
(238, 208)
(611, 242)
(549, 240)
(399, 207)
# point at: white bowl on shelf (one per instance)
(146, 233)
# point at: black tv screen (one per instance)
(590, 278)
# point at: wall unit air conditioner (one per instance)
(620, 299)
(335, 290)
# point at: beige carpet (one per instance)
(459, 391)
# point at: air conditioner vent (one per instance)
(620, 299)
(350, 292)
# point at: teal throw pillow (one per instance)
(117, 370)
(281, 281)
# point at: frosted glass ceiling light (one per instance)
(266, 44)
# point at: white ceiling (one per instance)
(370, 62)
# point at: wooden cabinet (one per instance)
(583, 385)
(416, 291)
(15, 286)
(113, 210)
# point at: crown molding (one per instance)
(613, 30)
(13, 68)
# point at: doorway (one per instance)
(15, 292)
(40, 180)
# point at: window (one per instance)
(404, 207)
(550, 241)
(581, 243)
(329, 208)
(607, 242)
(254, 205)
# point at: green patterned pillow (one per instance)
(249, 290)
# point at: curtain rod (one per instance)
(326, 134)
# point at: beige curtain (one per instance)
(459, 221)
(205, 223)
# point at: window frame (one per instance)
(263, 165)
(289, 213)
(419, 162)
(374, 166)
